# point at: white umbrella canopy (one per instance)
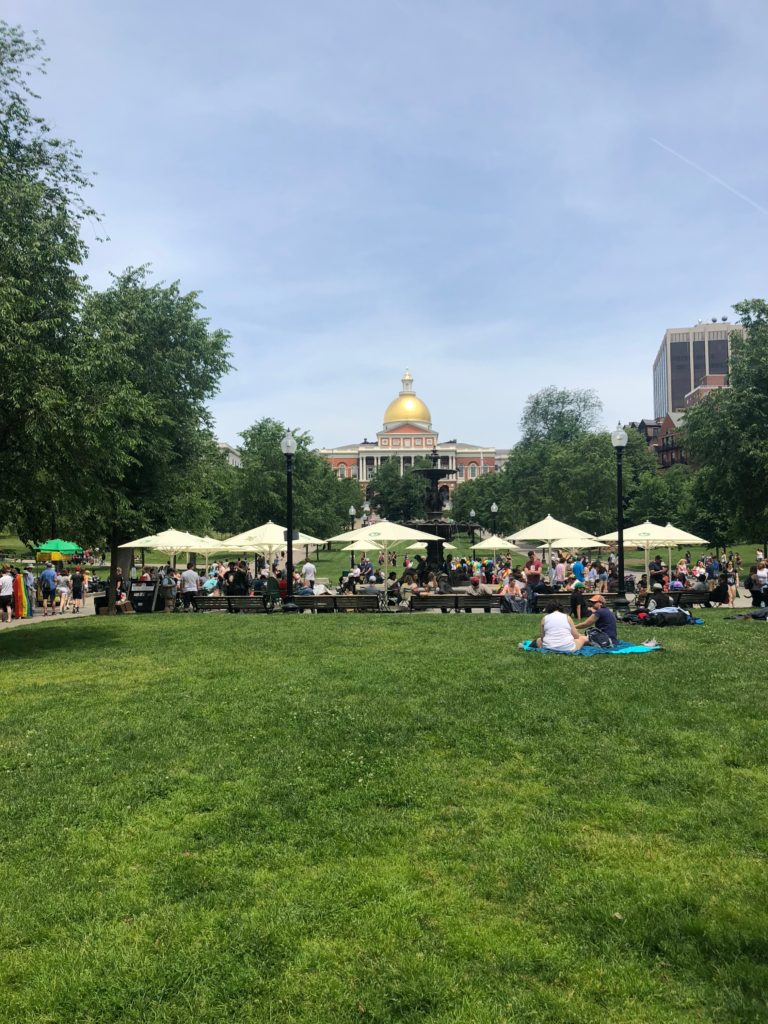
(362, 545)
(421, 545)
(269, 534)
(580, 543)
(547, 529)
(168, 540)
(494, 543)
(385, 532)
(645, 535)
(677, 537)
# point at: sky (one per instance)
(500, 196)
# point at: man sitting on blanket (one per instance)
(601, 623)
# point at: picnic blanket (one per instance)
(621, 648)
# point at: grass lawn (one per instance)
(367, 818)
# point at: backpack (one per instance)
(669, 617)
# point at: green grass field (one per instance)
(380, 818)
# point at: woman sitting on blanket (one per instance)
(558, 633)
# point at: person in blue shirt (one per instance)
(577, 568)
(48, 586)
(602, 620)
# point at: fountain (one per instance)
(434, 521)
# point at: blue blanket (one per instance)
(622, 648)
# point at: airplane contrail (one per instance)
(709, 174)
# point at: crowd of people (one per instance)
(57, 590)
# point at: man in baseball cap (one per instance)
(600, 623)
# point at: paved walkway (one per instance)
(87, 610)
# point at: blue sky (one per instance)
(468, 189)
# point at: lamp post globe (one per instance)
(288, 448)
(366, 512)
(619, 440)
(472, 515)
(494, 510)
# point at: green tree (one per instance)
(560, 414)
(146, 445)
(41, 210)
(395, 497)
(726, 434)
(321, 500)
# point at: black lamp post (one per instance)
(472, 515)
(619, 441)
(352, 514)
(366, 512)
(494, 510)
(288, 448)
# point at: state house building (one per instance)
(406, 435)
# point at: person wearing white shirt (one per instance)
(308, 571)
(6, 595)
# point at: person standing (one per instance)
(48, 587)
(190, 584)
(29, 583)
(308, 571)
(6, 595)
(77, 590)
(63, 589)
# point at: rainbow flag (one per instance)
(20, 598)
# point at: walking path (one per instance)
(88, 609)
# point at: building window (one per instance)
(461, 472)
(444, 462)
(406, 442)
(396, 442)
(472, 471)
(486, 469)
(342, 472)
(384, 442)
(417, 442)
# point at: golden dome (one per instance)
(407, 407)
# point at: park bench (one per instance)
(428, 602)
(357, 602)
(468, 602)
(255, 605)
(210, 603)
(705, 599)
(319, 603)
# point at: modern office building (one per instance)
(688, 356)
(407, 434)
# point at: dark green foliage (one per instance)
(41, 210)
(395, 497)
(234, 818)
(727, 433)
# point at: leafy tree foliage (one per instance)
(559, 414)
(397, 497)
(41, 210)
(320, 499)
(559, 467)
(727, 433)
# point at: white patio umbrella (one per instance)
(494, 544)
(579, 543)
(547, 530)
(676, 538)
(421, 545)
(267, 538)
(170, 542)
(646, 535)
(385, 532)
(362, 545)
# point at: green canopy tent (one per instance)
(61, 548)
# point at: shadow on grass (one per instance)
(63, 638)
